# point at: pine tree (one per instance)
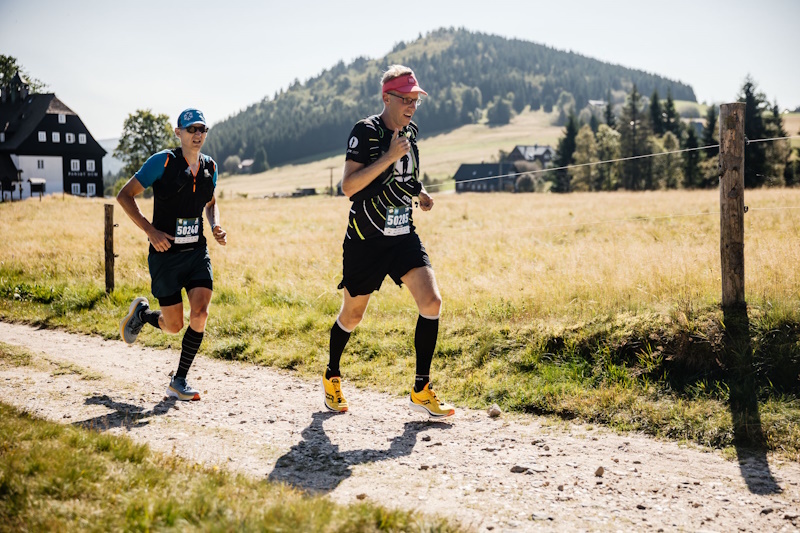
(672, 120)
(691, 160)
(564, 155)
(260, 163)
(755, 157)
(594, 123)
(710, 133)
(656, 115)
(611, 120)
(778, 151)
(634, 129)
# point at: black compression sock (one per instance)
(190, 345)
(151, 317)
(425, 343)
(339, 338)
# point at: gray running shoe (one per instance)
(178, 388)
(132, 324)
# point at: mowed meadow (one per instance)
(597, 306)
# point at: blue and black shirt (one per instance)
(179, 196)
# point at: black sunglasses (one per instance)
(193, 129)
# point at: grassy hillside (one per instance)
(440, 155)
(603, 306)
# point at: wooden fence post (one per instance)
(731, 202)
(109, 246)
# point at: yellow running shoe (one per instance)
(426, 401)
(334, 399)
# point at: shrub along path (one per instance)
(513, 471)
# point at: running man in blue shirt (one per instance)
(183, 182)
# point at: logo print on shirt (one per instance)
(353, 142)
(403, 171)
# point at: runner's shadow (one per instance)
(316, 465)
(124, 415)
(748, 433)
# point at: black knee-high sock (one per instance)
(339, 338)
(151, 317)
(189, 347)
(425, 343)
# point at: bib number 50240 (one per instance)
(187, 230)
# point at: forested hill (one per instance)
(464, 74)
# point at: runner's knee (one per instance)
(431, 305)
(172, 324)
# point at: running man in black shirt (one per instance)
(183, 182)
(381, 177)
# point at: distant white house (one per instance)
(542, 153)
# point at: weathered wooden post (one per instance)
(109, 245)
(731, 200)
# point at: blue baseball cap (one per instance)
(191, 116)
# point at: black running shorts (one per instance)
(172, 271)
(368, 262)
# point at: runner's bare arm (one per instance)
(356, 175)
(212, 215)
(127, 199)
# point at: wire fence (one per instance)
(608, 161)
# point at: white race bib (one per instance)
(397, 221)
(187, 230)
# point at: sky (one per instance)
(106, 59)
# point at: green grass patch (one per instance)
(64, 478)
(15, 355)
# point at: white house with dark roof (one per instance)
(43, 139)
(542, 153)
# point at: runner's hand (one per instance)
(425, 201)
(399, 146)
(160, 240)
(221, 235)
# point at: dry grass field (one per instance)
(560, 257)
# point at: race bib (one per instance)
(187, 230)
(397, 221)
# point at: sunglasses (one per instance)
(408, 101)
(193, 129)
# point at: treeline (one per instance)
(643, 126)
(466, 74)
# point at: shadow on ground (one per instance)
(123, 415)
(748, 434)
(316, 465)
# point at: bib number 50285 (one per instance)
(398, 221)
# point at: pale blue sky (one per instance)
(106, 59)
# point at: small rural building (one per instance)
(542, 153)
(485, 177)
(43, 139)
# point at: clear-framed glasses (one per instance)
(192, 129)
(408, 101)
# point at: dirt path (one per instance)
(268, 423)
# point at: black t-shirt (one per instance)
(382, 209)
